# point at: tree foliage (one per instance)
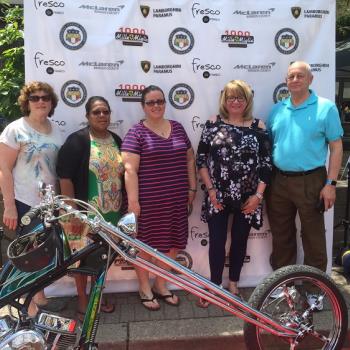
(343, 20)
(11, 60)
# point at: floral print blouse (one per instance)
(237, 158)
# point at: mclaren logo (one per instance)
(144, 10)
(146, 66)
(296, 11)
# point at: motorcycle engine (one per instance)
(50, 332)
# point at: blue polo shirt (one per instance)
(300, 135)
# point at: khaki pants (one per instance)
(285, 197)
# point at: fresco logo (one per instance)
(73, 36)
(280, 93)
(131, 36)
(50, 7)
(195, 234)
(255, 13)
(144, 10)
(208, 69)
(129, 92)
(296, 11)
(102, 65)
(103, 9)
(286, 41)
(181, 41)
(181, 96)
(185, 259)
(255, 68)
(146, 66)
(73, 93)
(196, 123)
(237, 38)
(51, 65)
(207, 13)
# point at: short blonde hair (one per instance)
(34, 86)
(241, 88)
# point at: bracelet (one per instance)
(259, 195)
(192, 189)
(210, 188)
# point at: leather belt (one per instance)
(298, 173)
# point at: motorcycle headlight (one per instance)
(128, 224)
(23, 339)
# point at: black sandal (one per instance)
(165, 298)
(146, 300)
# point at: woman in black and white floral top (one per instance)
(234, 163)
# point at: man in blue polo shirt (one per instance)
(302, 127)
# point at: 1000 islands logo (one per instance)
(131, 36)
(237, 38)
(129, 92)
(73, 36)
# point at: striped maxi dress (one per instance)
(163, 185)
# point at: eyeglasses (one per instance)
(152, 103)
(239, 99)
(36, 98)
(99, 112)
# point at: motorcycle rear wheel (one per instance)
(327, 327)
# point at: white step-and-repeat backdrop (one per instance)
(190, 49)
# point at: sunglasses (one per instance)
(99, 112)
(35, 98)
(152, 103)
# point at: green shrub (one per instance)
(11, 60)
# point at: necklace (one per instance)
(162, 130)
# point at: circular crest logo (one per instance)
(280, 93)
(181, 96)
(184, 259)
(286, 41)
(73, 93)
(181, 41)
(73, 36)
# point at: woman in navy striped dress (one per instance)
(160, 180)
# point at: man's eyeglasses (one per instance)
(235, 98)
(152, 103)
(99, 112)
(36, 98)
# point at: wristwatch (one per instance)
(331, 182)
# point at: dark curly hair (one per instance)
(32, 87)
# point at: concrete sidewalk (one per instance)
(132, 327)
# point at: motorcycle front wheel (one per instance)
(304, 298)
